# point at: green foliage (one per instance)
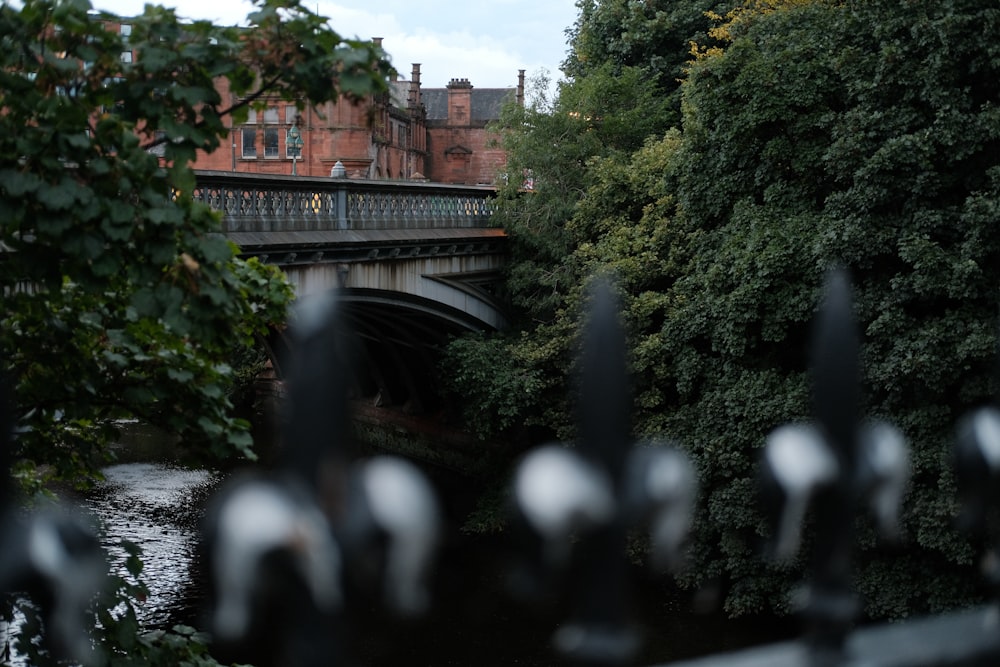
(494, 390)
(820, 135)
(502, 385)
(652, 36)
(603, 115)
(120, 298)
(819, 132)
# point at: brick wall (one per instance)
(458, 149)
(461, 155)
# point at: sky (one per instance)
(484, 42)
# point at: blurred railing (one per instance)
(284, 545)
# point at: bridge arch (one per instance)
(401, 340)
(457, 288)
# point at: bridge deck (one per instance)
(361, 245)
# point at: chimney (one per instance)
(414, 97)
(459, 102)
(377, 41)
(520, 87)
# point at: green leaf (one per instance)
(145, 303)
(120, 211)
(217, 249)
(53, 224)
(166, 215)
(185, 630)
(180, 375)
(84, 244)
(209, 427)
(133, 562)
(57, 197)
(18, 183)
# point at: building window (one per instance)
(291, 113)
(271, 142)
(252, 116)
(249, 142)
(125, 31)
(126, 56)
(271, 115)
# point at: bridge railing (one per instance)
(265, 203)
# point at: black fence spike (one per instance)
(6, 441)
(600, 631)
(830, 604)
(605, 403)
(316, 443)
(51, 555)
(976, 462)
(835, 363)
(269, 539)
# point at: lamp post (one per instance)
(293, 144)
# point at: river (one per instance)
(156, 506)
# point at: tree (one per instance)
(120, 299)
(652, 36)
(603, 114)
(616, 97)
(866, 135)
(623, 69)
(816, 132)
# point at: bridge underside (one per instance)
(401, 348)
(405, 311)
(401, 343)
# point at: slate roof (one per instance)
(486, 102)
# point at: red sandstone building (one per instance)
(409, 133)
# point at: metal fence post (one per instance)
(580, 502)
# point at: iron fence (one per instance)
(282, 546)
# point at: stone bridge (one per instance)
(415, 262)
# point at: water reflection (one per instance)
(157, 506)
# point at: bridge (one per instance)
(415, 262)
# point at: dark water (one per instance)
(477, 622)
(156, 506)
